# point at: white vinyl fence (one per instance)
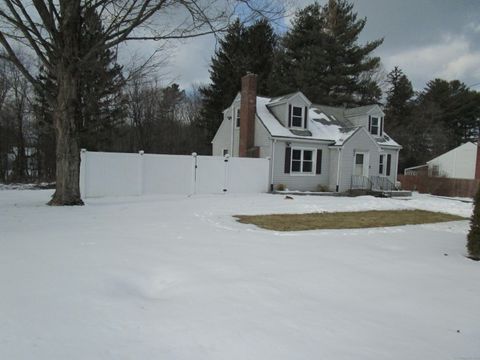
(126, 174)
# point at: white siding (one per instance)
(262, 139)
(222, 138)
(281, 112)
(300, 182)
(458, 163)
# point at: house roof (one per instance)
(469, 144)
(360, 110)
(326, 123)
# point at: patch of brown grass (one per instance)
(346, 220)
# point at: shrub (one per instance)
(281, 187)
(473, 239)
(322, 188)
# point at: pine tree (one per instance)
(243, 49)
(473, 239)
(398, 115)
(322, 58)
(102, 101)
(455, 107)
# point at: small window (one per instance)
(381, 165)
(302, 161)
(297, 116)
(237, 118)
(225, 152)
(435, 170)
(375, 126)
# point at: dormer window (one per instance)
(297, 116)
(375, 126)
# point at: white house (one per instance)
(458, 163)
(310, 146)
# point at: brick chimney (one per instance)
(248, 109)
(477, 162)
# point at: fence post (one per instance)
(225, 183)
(194, 173)
(140, 172)
(83, 175)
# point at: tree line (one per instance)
(51, 108)
(321, 56)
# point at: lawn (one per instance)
(346, 220)
(175, 277)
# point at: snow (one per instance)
(169, 277)
(321, 126)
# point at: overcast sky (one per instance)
(426, 38)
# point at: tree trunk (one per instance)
(66, 108)
(67, 153)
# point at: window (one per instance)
(225, 152)
(297, 116)
(302, 161)
(435, 170)
(375, 126)
(381, 165)
(237, 118)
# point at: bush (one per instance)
(473, 239)
(322, 188)
(281, 187)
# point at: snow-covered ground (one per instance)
(177, 278)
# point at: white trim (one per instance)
(314, 161)
(232, 135)
(337, 187)
(302, 109)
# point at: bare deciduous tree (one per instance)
(51, 29)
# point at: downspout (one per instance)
(337, 188)
(272, 165)
(232, 137)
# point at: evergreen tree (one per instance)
(398, 115)
(243, 49)
(102, 102)
(322, 58)
(455, 107)
(473, 239)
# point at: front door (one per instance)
(360, 164)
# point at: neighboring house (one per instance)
(311, 147)
(458, 163)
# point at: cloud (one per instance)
(453, 57)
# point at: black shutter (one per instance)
(381, 126)
(319, 162)
(306, 116)
(389, 163)
(289, 115)
(369, 124)
(288, 156)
